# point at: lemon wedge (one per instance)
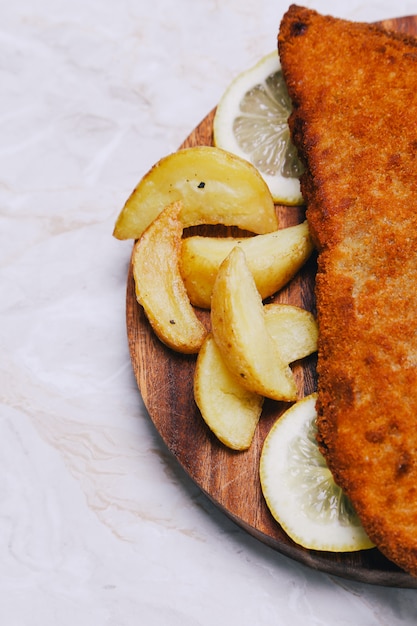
(251, 121)
(299, 488)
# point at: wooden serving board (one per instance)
(231, 479)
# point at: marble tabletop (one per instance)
(99, 526)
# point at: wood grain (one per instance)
(230, 479)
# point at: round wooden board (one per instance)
(230, 479)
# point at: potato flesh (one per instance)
(273, 259)
(159, 286)
(293, 329)
(239, 328)
(214, 186)
(230, 411)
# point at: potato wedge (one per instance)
(273, 259)
(239, 329)
(229, 410)
(159, 286)
(215, 187)
(293, 329)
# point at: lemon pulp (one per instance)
(299, 489)
(251, 120)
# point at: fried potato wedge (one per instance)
(273, 259)
(229, 410)
(239, 329)
(215, 187)
(159, 287)
(293, 329)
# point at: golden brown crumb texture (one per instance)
(354, 93)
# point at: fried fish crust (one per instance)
(354, 122)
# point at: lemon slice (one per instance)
(251, 122)
(299, 488)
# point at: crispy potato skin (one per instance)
(229, 410)
(273, 258)
(354, 122)
(159, 287)
(239, 329)
(214, 187)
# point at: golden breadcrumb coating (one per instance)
(354, 93)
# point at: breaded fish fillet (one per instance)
(354, 92)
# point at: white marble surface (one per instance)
(98, 525)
